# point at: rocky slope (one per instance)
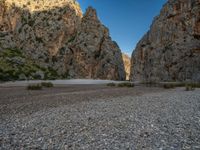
(52, 36)
(170, 51)
(127, 64)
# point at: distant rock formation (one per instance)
(170, 51)
(54, 36)
(127, 64)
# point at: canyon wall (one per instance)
(170, 50)
(53, 39)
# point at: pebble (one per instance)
(115, 123)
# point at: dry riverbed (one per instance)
(99, 117)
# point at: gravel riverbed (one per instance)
(99, 117)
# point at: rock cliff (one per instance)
(170, 50)
(92, 53)
(54, 36)
(127, 64)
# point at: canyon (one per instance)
(55, 40)
(73, 94)
(127, 64)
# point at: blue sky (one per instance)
(127, 20)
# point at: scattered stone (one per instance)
(60, 119)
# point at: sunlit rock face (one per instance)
(170, 51)
(127, 64)
(49, 32)
(42, 5)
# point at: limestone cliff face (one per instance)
(35, 26)
(127, 65)
(53, 34)
(40, 30)
(170, 51)
(92, 53)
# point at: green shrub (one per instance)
(126, 84)
(150, 83)
(173, 85)
(10, 70)
(34, 87)
(189, 87)
(194, 85)
(71, 39)
(111, 84)
(11, 53)
(169, 86)
(66, 75)
(31, 23)
(47, 84)
(39, 39)
(179, 84)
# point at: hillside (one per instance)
(45, 33)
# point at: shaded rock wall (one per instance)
(53, 34)
(92, 52)
(170, 51)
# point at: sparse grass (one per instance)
(150, 83)
(47, 84)
(71, 39)
(168, 86)
(11, 53)
(189, 87)
(126, 84)
(34, 87)
(111, 84)
(173, 85)
(195, 85)
(181, 84)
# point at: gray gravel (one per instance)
(168, 119)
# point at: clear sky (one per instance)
(127, 20)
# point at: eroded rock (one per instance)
(92, 52)
(127, 64)
(54, 34)
(170, 51)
